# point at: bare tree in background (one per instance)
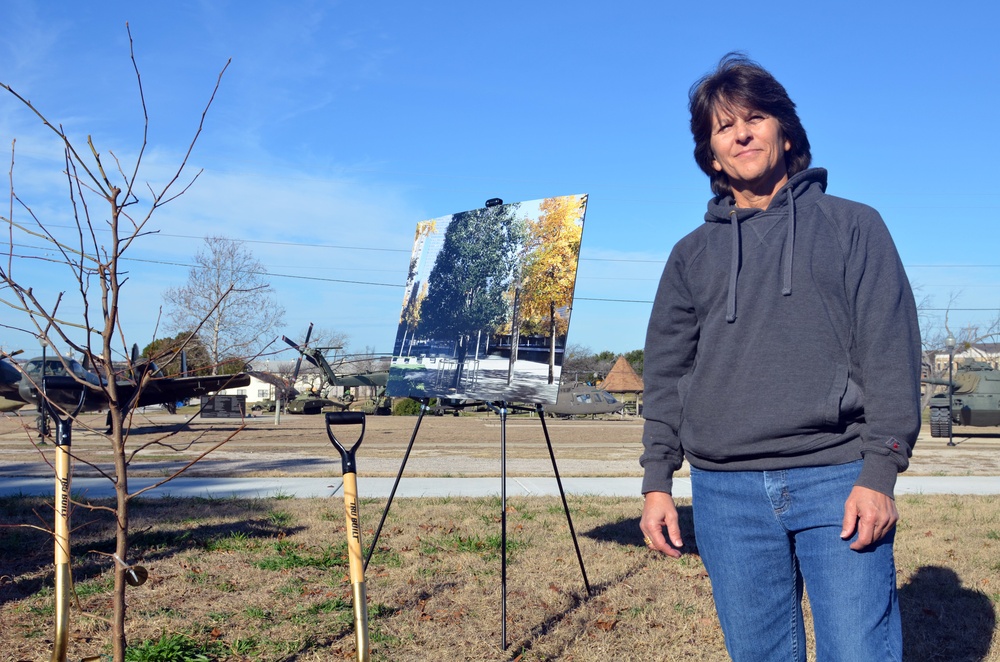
(109, 207)
(227, 297)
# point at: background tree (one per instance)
(635, 359)
(166, 353)
(549, 271)
(228, 299)
(106, 216)
(584, 365)
(471, 275)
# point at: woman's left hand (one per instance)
(871, 513)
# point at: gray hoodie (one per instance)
(780, 338)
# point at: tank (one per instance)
(975, 395)
(312, 403)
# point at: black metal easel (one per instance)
(502, 409)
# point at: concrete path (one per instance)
(221, 488)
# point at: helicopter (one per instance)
(313, 402)
(975, 398)
(583, 399)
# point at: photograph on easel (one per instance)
(487, 304)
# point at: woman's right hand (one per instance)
(658, 512)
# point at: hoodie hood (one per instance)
(800, 188)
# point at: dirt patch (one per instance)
(444, 446)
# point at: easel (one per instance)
(502, 409)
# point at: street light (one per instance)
(949, 342)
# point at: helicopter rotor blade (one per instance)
(302, 353)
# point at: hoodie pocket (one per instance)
(852, 405)
(683, 389)
(838, 389)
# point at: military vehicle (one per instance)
(577, 399)
(314, 401)
(975, 396)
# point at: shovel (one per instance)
(357, 568)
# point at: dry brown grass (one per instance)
(266, 580)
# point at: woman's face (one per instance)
(749, 147)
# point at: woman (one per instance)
(782, 361)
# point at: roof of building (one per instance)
(269, 378)
(622, 378)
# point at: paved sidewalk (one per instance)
(221, 488)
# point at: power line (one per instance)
(398, 285)
(407, 250)
(612, 300)
(271, 273)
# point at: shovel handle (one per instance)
(353, 521)
(345, 417)
(347, 455)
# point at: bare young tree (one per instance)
(228, 298)
(111, 208)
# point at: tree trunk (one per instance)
(463, 351)
(121, 537)
(515, 334)
(402, 345)
(552, 342)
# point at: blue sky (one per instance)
(340, 125)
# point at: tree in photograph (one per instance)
(549, 271)
(409, 319)
(471, 275)
(416, 291)
(228, 299)
(106, 214)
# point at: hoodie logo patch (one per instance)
(892, 443)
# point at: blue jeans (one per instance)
(761, 534)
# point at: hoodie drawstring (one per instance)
(734, 267)
(786, 288)
(734, 262)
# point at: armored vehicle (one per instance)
(314, 403)
(975, 395)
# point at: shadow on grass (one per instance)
(626, 532)
(24, 552)
(944, 621)
(578, 600)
